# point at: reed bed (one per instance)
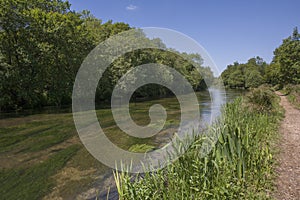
(239, 166)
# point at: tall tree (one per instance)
(43, 42)
(287, 57)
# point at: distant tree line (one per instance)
(44, 42)
(245, 75)
(284, 68)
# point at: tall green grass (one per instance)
(262, 100)
(293, 94)
(240, 165)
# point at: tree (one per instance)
(295, 35)
(245, 75)
(287, 57)
(253, 79)
(44, 44)
(272, 75)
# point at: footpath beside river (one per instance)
(288, 180)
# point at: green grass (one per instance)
(293, 98)
(293, 94)
(240, 166)
(141, 148)
(33, 182)
(261, 99)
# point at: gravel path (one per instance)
(288, 181)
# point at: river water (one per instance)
(208, 101)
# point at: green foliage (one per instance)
(248, 75)
(285, 67)
(262, 99)
(177, 60)
(44, 42)
(272, 75)
(293, 94)
(253, 79)
(238, 167)
(141, 148)
(42, 46)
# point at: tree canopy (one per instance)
(245, 75)
(286, 60)
(44, 42)
(284, 68)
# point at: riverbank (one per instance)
(240, 165)
(28, 142)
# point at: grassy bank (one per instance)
(240, 166)
(293, 94)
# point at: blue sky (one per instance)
(229, 30)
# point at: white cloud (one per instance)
(131, 7)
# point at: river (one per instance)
(139, 113)
(52, 119)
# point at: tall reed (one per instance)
(239, 166)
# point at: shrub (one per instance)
(261, 99)
(276, 87)
(293, 93)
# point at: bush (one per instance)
(276, 87)
(293, 94)
(261, 99)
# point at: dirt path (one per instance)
(288, 181)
